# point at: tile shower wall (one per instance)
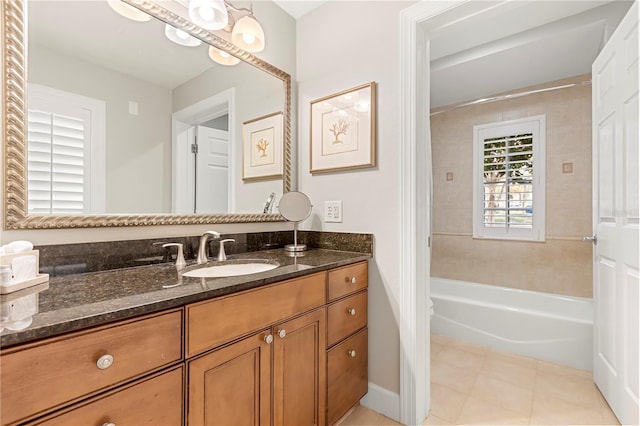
(561, 264)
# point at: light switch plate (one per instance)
(333, 211)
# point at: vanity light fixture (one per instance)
(209, 14)
(246, 31)
(222, 57)
(247, 34)
(128, 11)
(180, 37)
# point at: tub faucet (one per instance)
(202, 249)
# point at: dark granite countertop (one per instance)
(75, 302)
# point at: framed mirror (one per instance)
(161, 101)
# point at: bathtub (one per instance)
(545, 326)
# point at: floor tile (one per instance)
(461, 358)
(477, 411)
(446, 374)
(563, 370)
(573, 389)
(435, 420)
(503, 394)
(555, 411)
(510, 370)
(446, 403)
(362, 416)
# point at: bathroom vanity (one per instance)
(149, 346)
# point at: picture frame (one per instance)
(343, 130)
(262, 148)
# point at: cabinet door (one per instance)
(299, 370)
(232, 385)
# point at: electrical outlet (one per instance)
(333, 211)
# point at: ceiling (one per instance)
(297, 8)
(477, 51)
(484, 50)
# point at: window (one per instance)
(65, 152)
(509, 182)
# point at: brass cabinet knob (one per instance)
(351, 311)
(351, 353)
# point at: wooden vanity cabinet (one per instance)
(347, 339)
(292, 352)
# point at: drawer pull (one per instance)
(352, 353)
(109, 424)
(268, 339)
(104, 362)
(351, 311)
(282, 334)
(352, 280)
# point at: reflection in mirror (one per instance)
(121, 120)
(137, 159)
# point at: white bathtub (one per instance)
(540, 325)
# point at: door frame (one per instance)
(415, 208)
(182, 192)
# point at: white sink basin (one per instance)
(230, 270)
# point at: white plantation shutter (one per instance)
(63, 142)
(509, 179)
(56, 158)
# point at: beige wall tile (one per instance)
(551, 266)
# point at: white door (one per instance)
(212, 171)
(616, 220)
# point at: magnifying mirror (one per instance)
(295, 207)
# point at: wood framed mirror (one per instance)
(15, 92)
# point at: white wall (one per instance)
(342, 45)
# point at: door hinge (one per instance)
(194, 148)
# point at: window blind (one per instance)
(508, 181)
(56, 163)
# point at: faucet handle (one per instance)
(180, 263)
(222, 256)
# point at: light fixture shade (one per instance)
(208, 14)
(180, 37)
(248, 35)
(221, 57)
(128, 11)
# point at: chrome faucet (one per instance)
(222, 256)
(202, 249)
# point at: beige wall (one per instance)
(561, 264)
(343, 45)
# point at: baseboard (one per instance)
(383, 401)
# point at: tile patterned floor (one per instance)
(474, 385)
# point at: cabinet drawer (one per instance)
(213, 323)
(348, 280)
(63, 369)
(346, 316)
(156, 401)
(346, 375)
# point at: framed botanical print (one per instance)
(343, 130)
(262, 148)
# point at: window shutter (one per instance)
(56, 163)
(508, 181)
